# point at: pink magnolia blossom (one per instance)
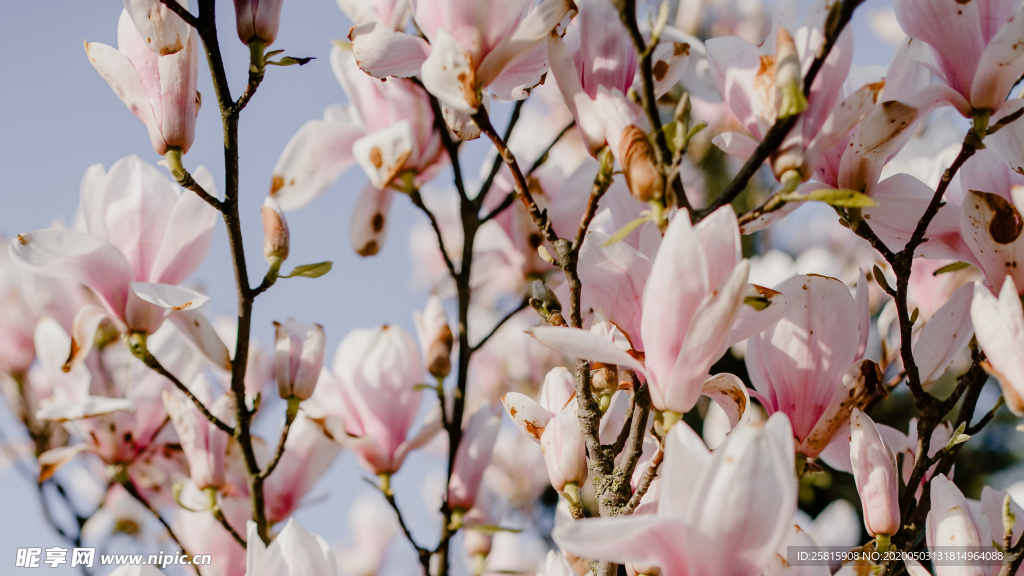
(469, 47)
(874, 471)
(554, 423)
(293, 552)
(595, 66)
(808, 365)
(388, 129)
(158, 87)
(746, 75)
(141, 238)
(258, 20)
(473, 457)
(682, 311)
(999, 326)
(435, 337)
(369, 399)
(201, 533)
(164, 31)
(721, 512)
(299, 358)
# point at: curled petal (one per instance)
(526, 414)
(165, 32)
(585, 345)
(449, 75)
(313, 159)
(382, 52)
(730, 393)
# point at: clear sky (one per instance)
(57, 117)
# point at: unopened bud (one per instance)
(636, 154)
(435, 337)
(544, 301)
(258, 20)
(787, 75)
(299, 356)
(275, 231)
(604, 378)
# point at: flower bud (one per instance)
(436, 338)
(874, 471)
(472, 457)
(275, 232)
(636, 154)
(299, 356)
(258, 20)
(787, 75)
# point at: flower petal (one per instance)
(954, 32)
(767, 307)
(613, 278)
(585, 345)
(449, 75)
(886, 129)
(79, 257)
(991, 227)
(730, 394)
(736, 144)
(189, 234)
(999, 327)
(167, 296)
(526, 414)
(122, 77)
(382, 52)
(1001, 65)
(646, 540)
(196, 328)
(165, 32)
(945, 335)
(313, 159)
(382, 154)
(530, 32)
(369, 220)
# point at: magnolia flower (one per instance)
(294, 552)
(874, 471)
(808, 365)
(390, 13)
(760, 86)
(595, 66)
(258, 20)
(470, 47)
(974, 49)
(201, 533)
(435, 337)
(472, 457)
(141, 238)
(721, 512)
(685, 317)
(299, 357)
(999, 327)
(158, 87)
(369, 399)
(554, 423)
(388, 129)
(204, 444)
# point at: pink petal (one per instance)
(531, 31)
(168, 296)
(720, 236)
(1001, 65)
(736, 144)
(179, 76)
(999, 327)
(585, 345)
(954, 32)
(751, 321)
(313, 159)
(383, 154)
(645, 540)
(370, 215)
(523, 75)
(382, 52)
(945, 335)
(189, 234)
(1008, 143)
(735, 64)
(992, 229)
(164, 31)
(686, 460)
(886, 129)
(83, 333)
(902, 200)
(79, 257)
(448, 73)
(119, 73)
(705, 342)
(730, 393)
(196, 328)
(526, 414)
(676, 287)
(609, 58)
(580, 104)
(613, 280)
(841, 120)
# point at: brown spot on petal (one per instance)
(532, 429)
(660, 70)
(766, 292)
(377, 222)
(75, 347)
(512, 412)
(276, 183)
(1006, 224)
(368, 249)
(963, 2)
(681, 49)
(22, 240)
(375, 157)
(184, 306)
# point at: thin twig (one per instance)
(417, 200)
(218, 515)
(182, 12)
(129, 487)
(423, 553)
(496, 165)
(155, 365)
(293, 410)
(522, 305)
(645, 482)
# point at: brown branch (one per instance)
(289, 418)
(645, 482)
(149, 360)
(182, 12)
(417, 200)
(424, 554)
(218, 515)
(496, 165)
(129, 487)
(522, 305)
